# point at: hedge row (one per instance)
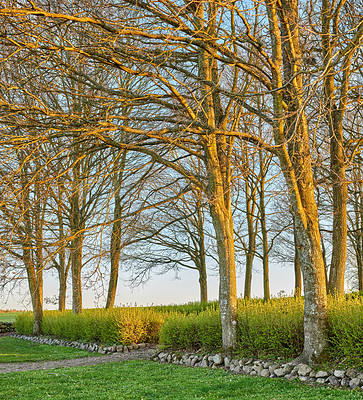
(269, 330)
(119, 325)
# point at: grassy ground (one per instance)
(18, 350)
(144, 380)
(8, 316)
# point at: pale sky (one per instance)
(164, 289)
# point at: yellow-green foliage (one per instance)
(193, 330)
(346, 329)
(24, 323)
(119, 325)
(272, 328)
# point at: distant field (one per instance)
(8, 316)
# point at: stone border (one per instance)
(6, 327)
(91, 347)
(349, 379)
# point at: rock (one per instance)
(162, 355)
(303, 378)
(351, 373)
(258, 369)
(218, 359)
(322, 374)
(333, 381)
(303, 369)
(265, 373)
(286, 369)
(204, 363)
(237, 369)
(272, 368)
(355, 383)
(266, 364)
(247, 369)
(194, 361)
(320, 380)
(253, 373)
(338, 373)
(290, 377)
(226, 362)
(345, 382)
(279, 372)
(120, 348)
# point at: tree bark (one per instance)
(77, 237)
(297, 271)
(265, 253)
(292, 135)
(116, 235)
(334, 117)
(250, 207)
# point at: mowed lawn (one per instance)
(18, 350)
(146, 380)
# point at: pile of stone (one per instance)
(91, 347)
(351, 379)
(6, 327)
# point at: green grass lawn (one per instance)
(145, 380)
(8, 316)
(18, 350)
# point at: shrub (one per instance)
(345, 317)
(119, 325)
(270, 329)
(201, 330)
(24, 323)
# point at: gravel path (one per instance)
(141, 354)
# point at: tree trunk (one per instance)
(266, 282)
(297, 270)
(62, 290)
(223, 225)
(250, 210)
(203, 283)
(77, 237)
(116, 235)
(292, 136)
(202, 267)
(76, 266)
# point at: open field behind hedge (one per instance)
(270, 330)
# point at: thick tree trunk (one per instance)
(223, 226)
(292, 135)
(315, 311)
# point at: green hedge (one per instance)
(273, 329)
(346, 330)
(269, 330)
(119, 325)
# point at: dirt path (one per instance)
(141, 354)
